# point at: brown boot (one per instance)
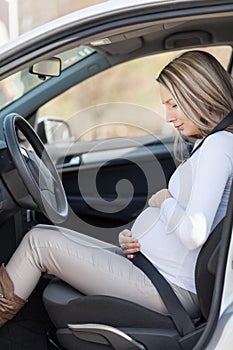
(10, 303)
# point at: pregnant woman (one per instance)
(197, 94)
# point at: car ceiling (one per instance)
(134, 36)
(167, 36)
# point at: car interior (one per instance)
(58, 316)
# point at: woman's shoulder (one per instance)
(218, 144)
(223, 138)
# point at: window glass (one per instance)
(123, 101)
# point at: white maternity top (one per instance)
(172, 236)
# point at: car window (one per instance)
(123, 101)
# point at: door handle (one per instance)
(73, 161)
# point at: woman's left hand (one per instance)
(128, 244)
(159, 197)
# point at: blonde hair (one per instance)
(201, 87)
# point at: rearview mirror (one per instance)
(47, 68)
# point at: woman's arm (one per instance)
(212, 171)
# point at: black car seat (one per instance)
(103, 322)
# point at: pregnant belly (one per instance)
(162, 249)
(145, 222)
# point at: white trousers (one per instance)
(89, 265)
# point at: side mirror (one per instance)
(47, 68)
(53, 130)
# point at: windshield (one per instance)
(21, 82)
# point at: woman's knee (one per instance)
(40, 236)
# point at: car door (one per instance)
(110, 187)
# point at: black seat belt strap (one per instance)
(176, 310)
(222, 125)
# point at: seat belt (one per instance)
(177, 312)
(223, 124)
(179, 315)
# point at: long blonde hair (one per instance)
(201, 87)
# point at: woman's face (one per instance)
(176, 116)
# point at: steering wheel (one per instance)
(36, 169)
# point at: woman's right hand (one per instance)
(128, 244)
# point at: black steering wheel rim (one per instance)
(12, 122)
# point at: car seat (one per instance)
(105, 323)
